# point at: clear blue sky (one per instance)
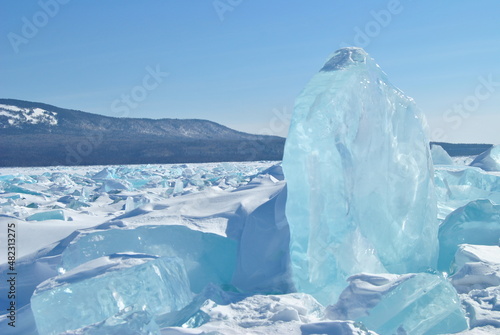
(242, 62)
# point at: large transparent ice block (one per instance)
(360, 178)
(413, 304)
(107, 286)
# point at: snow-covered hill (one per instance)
(16, 115)
(36, 134)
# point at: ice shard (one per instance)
(413, 304)
(50, 215)
(207, 257)
(107, 287)
(440, 156)
(360, 178)
(478, 223)
(488, 160)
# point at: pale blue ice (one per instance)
(488, 160)
(108, 286)
(360, 179)
(478, 222)
(413, 304)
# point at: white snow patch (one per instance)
(18, 116)
(11, 108)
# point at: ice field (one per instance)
(362, 229)
(212, 249)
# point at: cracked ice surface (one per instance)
(440, 156)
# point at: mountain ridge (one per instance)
(71, 115)
(51, 135)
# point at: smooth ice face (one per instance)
(207, 257)
(50, 215)
(360, 179)
(413, 304)
(478, 222)
(108, 286)
(263, 252)
(488, 160)
(440, 156)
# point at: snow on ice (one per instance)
(478, 222)
(488, 160)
